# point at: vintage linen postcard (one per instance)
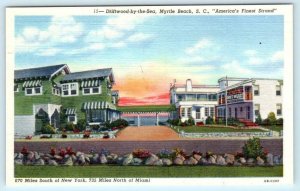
(152, 95)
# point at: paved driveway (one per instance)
(147, 133)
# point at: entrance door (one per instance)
(235, 113)
(198, 113)
(248, 112)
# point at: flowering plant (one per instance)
(86, 134)
(52, 151)
(239, 155)
(178, 151)
(24, 150)
(70, 151)
(209, 154)
(197, 153)
(62, 152)
(164, 153)
(104, 152)
(141, 153)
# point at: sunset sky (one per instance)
(147, 53)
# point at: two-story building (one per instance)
(245, 98)
(51, 90)
(196, 101)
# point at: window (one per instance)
(212, 111)
(230, 112)
(16, 88)
(256, 109)
(72, 119)
(256, 90)
(33, 91)
(278, 90)
(91, 90)
(189, 112)
(212, 97)
(241, 109)
(56, 91)
(279, 109)
(180, 97)
(191, 97)
(206, 111)
(202, 97)
(182, 112)
(70, 89)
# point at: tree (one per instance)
(258, 120)
(272, 118)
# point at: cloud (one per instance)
(200, 45)
(125, 23)
(138, 37)
(235, 68)
(48, 52)
(277, 56)
(61, 30)
(250, 52)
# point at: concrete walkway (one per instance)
(147, 133)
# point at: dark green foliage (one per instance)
(252, 148)
(265, 122)
(119, 123)
(258, 120)
(221, 121)
(48, 129)
(279, 121)
(81, 124)
(70, 127)
(209, 120)
(190, 121)
(173, 122)
(272, 118)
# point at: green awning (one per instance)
(90, 83)
(70, 111)
(32, 83)
(98, 105)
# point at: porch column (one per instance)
(105, 119)
(138, 120)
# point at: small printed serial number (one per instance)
(271, 181)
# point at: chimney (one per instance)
(189, 86)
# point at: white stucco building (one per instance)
(196, 101)
(245, 98)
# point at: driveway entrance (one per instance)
(148, 133)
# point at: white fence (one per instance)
(226, 134)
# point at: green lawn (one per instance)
(144, 171)
(211, 129)
(277, 128)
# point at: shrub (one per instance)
(48, 129)
(252, 148)
(173, 122)
(221, 121)
(272, 118)
(209, 120)
(81, 124)
(70, 151)
(52, 151)
(279, 121)
(258, 120)
(265, 122)
(119, 123)
(197, 153)
(70, 127)
(141, 153)
(190, 121)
